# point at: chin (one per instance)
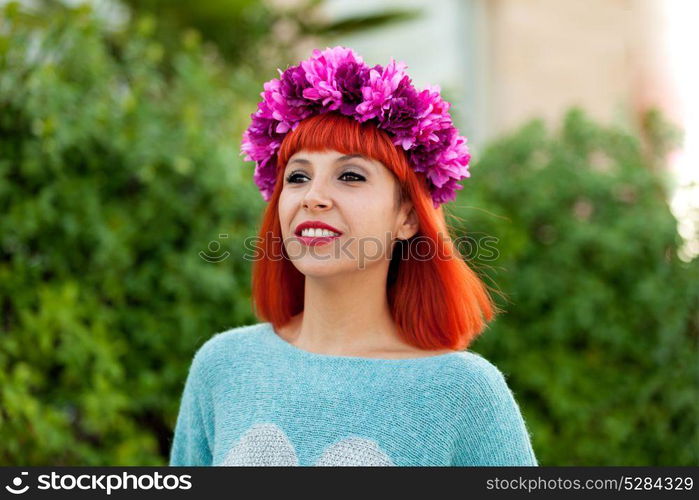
(318, 269)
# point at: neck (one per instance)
(346, 315)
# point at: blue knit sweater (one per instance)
(252, 398)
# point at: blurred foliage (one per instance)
(119, 165)
(268, 29)
(112, 179)
(599, 338)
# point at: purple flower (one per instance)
(321, 72)
(452, 162)
(261, 139)
(289, 99)
(445, 193)
(436, 118)
(265, 176)
(351, 77)
(382, 83)
(402, 115)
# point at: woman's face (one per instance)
(355, 195)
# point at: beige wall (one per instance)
(546, 55)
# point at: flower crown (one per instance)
(337, 79)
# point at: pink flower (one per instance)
(382, 83)
(321, 70)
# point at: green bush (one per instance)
(115, 172)
(599, 338)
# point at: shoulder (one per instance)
(471, 368)
(223, 346)
(474, 380)
(491, 426)
(232, 338)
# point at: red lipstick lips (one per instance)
(315, 240)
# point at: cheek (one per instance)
(371, 244)
(285, 214)
(371, 231)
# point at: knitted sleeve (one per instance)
(493, 432)
(192, 440)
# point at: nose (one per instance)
(316, 197)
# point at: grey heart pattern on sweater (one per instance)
(266, 444)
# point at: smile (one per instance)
(317, 240)
(316, 232)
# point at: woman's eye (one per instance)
(350, 176)
(356, 177)
(294, 176)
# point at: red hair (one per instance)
(436, 303)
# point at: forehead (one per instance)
(304, 157)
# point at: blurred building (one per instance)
(502, 62)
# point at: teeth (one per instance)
(316, 232)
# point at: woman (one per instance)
(367, 307)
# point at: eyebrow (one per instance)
(338, 160)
